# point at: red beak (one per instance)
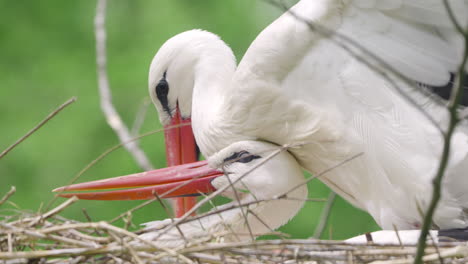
(180, 149)
(180, 143)
(190, 179)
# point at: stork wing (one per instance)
(354, 94)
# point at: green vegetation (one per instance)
(47, 56)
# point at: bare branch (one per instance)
(54, 211)
(454, 119)
(8, 195)
(112, 117)
(324, 216)
(140, 116)
(49, 117)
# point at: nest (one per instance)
(26, 237)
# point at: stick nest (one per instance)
(27, 237)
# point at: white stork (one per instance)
(296, 85)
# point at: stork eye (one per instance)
(162, 90)
(242, 157)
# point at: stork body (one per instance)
(296, 86)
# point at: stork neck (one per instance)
(213, 73)
(212, 79)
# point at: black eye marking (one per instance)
(241, 156)
(162, 90)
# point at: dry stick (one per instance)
(325, 215)
(457, 94)
(132, 235)
(140, 117)
(108, 227)
(271, 230)
(41, 235)
(395, 228)
(322, 173)
(112, 117)
(49, 117)
(54, 211)
(170, 217)
(10, 242)
(227, 226)
(127, 246)
(236, 195)
(89, 219)
(132, 210)
(8, 195)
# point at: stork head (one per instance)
(174, 71)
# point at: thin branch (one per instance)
(236, 196)
(54, 211)
(318, 175)
(457, 94)
(170, 217)
(452, 17)
(140, 116)
(325, 215)
(8, 195)
(112, 117)
(49, 117)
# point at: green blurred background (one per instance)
(47, 55)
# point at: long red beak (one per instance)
(184, 180)
(180, 143)
(181, 148)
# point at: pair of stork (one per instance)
(321, 84)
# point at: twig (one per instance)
(112, 117)
(8, 195)
(325, 215)
(170, 217)
(140, 117)
(457, 94)
(318, 175)
(132, 210)
(237, 199)
(54, 211)
(49, 117)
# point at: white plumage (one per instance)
(297, 86)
